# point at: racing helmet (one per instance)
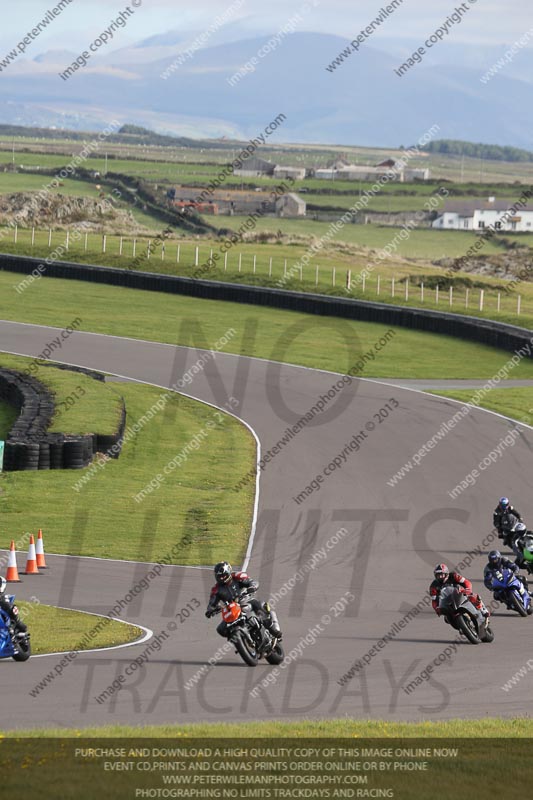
(504, 503)
(223, 572)
(441, 573)
(495, 558)
(3, 584)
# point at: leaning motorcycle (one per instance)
(508, 586)
(252, 640)
(464, 616)
(523, 549)
(512, 529)
(12, 644)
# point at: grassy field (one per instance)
(488, 728)
(21, 182)
(155, 161)
(270, 264)
(192, 514)
(56, 630)
(95, 406)
(262, 332)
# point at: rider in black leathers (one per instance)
(230, 586)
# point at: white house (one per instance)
(475, 215)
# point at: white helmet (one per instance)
(3, 584)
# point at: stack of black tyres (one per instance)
(30, 447)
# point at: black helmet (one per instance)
(495, 558)
(223, 572)
(441, 573)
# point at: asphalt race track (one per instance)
(394, 536)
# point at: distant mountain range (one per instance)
(361, 102)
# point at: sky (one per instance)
(497, 22)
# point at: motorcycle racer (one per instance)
(503, 508)
(443, 577)
(9, 608)
(497, 562)
(229, 587)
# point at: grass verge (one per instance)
(193, 517)
(262, 332)
(487, 728)
(516, 403)
(56, 630)
(94, 407)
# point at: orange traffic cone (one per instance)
(39, 551)
(12, 574)
(31, 563)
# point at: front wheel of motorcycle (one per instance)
(247, 653)
(517, 604)
(24, 648)
(467, 625)
(276, 655)
(488, 636)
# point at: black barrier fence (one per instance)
(495, 334)
(247, 767)
(30, 447)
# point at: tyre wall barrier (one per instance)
(496, 334)
(28, 445)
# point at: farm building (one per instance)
(290, 205)
(297, 173)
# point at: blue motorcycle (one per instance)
(506, 587)
(12, 644)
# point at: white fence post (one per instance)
(316, 275)
(333, 276)
(240, 261)
(466, 297)
(481, 298)
(392, 288)
(163, 252)
(32, 236)
(149, 249)
(196, 257)
(134, 247)
(407, 289)
(498, 306)
(178, 254)
(437, 294)
(519, 304)
(421, 292)
(255, 261)
(120, 246)
(50, 237)
(68, 239)
(225, 261)
(451, 295)
(378, 284)
(16, 233)
(270, 268)
(285, 268)
(349, 279)
(364, 282)
(86, 244)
